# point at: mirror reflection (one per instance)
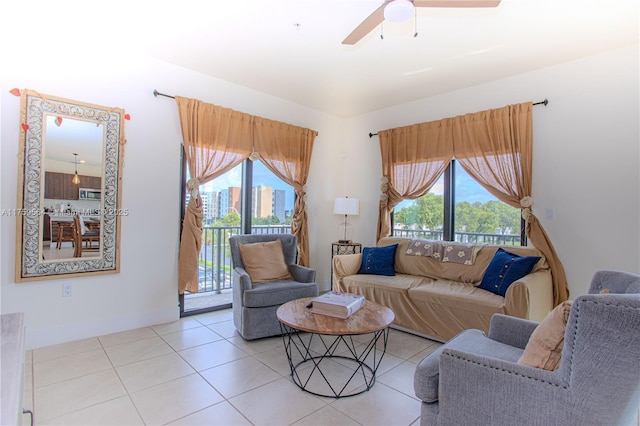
(72, 188)
(68, 188)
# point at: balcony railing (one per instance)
(461, 237)
(214, 274)
(215, 270)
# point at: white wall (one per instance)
(585, 162)
(145, 290)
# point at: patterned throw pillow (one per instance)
(378, 260)
(504, 269)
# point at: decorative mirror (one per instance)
(69, 188)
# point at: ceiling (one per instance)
(292, 49)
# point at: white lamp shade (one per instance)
(398, 10)
(346, 206)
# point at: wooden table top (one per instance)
(370, 318)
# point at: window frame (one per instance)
(448, 224)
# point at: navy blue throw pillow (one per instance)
(504, 269)
(378, 260)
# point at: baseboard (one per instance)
(87, 329)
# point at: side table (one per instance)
(345, 248)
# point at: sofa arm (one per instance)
(530, 297)
(344, 265)
(302, 274)
(510, 330)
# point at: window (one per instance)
(269, 205)
(457, 208)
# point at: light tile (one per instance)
(400, 378)
(258, 345)
(181, 324)
(212, 354)
(127, 353)
(426, 351)
(225, 328)
(119, 411)
(380, 405)
(65, 349)
(221, 414)
(276, 358)
(173, 400)
(277, 403)
(153, 371)
(66, 397)
(126, 336)
(330, 378)
(405, 345)
(189, 338)
(59, 369)
(326, 416)
(214, 317)
(239, 376)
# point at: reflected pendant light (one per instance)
(76, 179)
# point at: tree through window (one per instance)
(475, 216)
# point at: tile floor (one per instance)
(199, 371)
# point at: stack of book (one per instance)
(337, 304)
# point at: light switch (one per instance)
(549, 214)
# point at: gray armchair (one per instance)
(255, 304)
(476, 380)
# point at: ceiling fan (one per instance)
(401, 10)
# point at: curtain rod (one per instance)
(156, 94)
(545, 102)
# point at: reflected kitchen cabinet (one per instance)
(58, 186)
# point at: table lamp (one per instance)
(346, 206)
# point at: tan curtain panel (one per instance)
(495, 148)
(286, 151)
(413, 158)
(216, 140)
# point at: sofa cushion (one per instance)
(378, 260)
(504, 269)
(264, 261)
(545, 344)
(457, 296)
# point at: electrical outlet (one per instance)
(66, 290)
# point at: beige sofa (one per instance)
(440, 299)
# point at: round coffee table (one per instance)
(334, 357)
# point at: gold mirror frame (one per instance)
(30, 265)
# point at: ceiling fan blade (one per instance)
(366, 26)
(456, 3)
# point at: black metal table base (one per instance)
(311, 356)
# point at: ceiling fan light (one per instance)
(398, 10)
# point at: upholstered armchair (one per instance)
(266, 275)
(476, 380)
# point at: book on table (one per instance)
(337, 304)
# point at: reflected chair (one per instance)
(255, 303)
(84, 237)
(64, 232)
(476, 379)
